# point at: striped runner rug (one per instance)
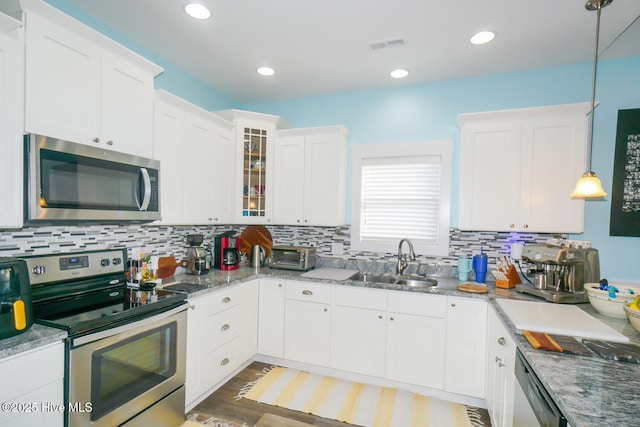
(354, 403)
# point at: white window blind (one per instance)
(402, 190)
(401, 197)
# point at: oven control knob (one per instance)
(116, 261)
(38, 270)
(105, 262)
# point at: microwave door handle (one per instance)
(146, 197)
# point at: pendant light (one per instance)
(589, 184)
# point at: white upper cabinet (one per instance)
(310, 176)
(11, 126)
(255, 136)
(518, 168)
(83, 87)
(197, 162)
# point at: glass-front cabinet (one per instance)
(254, 175)
(255, 138)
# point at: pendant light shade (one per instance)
(589, 184)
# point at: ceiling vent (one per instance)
(384, 44)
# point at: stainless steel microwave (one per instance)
(293, 257)
(70, 182)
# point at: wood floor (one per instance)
(224, 407)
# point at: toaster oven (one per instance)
(293, 257)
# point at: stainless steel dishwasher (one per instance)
(533, 407)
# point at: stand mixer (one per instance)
(561, 272)
(197, 262)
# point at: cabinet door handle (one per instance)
(453, 304)
(326, 309)
(192, 307)
(512, 225)
(525, 226)
(279, 285)
(225, 327)
(307, 292)
(392, 319)
(109, 142)
(96, 139)
(226, 300)
(225, 361)
(499, 362)
(502, 341)
(379, 316)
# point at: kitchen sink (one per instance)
(370, 278)
(417, 283)
(393, 280)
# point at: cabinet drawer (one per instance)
(418, 304)
(224, 299)
(361, 298)
(222, 328)
(223, 361)
(307, 291)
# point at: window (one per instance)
(402, 190)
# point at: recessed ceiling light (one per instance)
(197, 10)
(266, 71)
(399, 73)
(482, 37)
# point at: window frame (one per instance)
(439, 147)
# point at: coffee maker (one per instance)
(561, 272)
(226, 251)
(197, 262)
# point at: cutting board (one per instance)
(558, 319)
(330, 273)
(473, 288)
(570, 345)
(255, 235)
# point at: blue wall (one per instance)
(429, 111)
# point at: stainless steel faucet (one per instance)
(402, 260)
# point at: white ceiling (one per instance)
(322, 47)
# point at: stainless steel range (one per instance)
(125, 361)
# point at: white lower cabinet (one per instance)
(31, 380)
(221, 336)
(359, 330)
(271, 318)
(500, 378)
(416, 339)
(307, 331)
(466, 346)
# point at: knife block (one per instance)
(513, 279)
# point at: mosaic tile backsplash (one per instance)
(171, 240)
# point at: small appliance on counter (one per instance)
(16, 313)
(293, 257)
(226, 251)
(197, 262)
(561, 272)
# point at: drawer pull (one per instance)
(226, 300)
(307, 292)
(225, 327)
(225, 361)
(502, 341)
(379, 316)
(326, 309)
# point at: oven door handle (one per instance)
(127, 327)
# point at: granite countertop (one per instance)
(36, 336)
(589, 390)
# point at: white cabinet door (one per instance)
(62, 82)
(289, 175)
(198, 174)
(271, 318)
(169, 148)
(220, 190)
(466, 345)
(500, 378)
(358, 340)
(518, 168)
(126, 107)
(307, 332)
(325, 178)
(11, 127)
(196, 382)
(556, 148)
(416, 350)
(490, 195)
(310, 176)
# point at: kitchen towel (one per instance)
(357, 403)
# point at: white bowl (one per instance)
(633, 316)
(604, 304)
